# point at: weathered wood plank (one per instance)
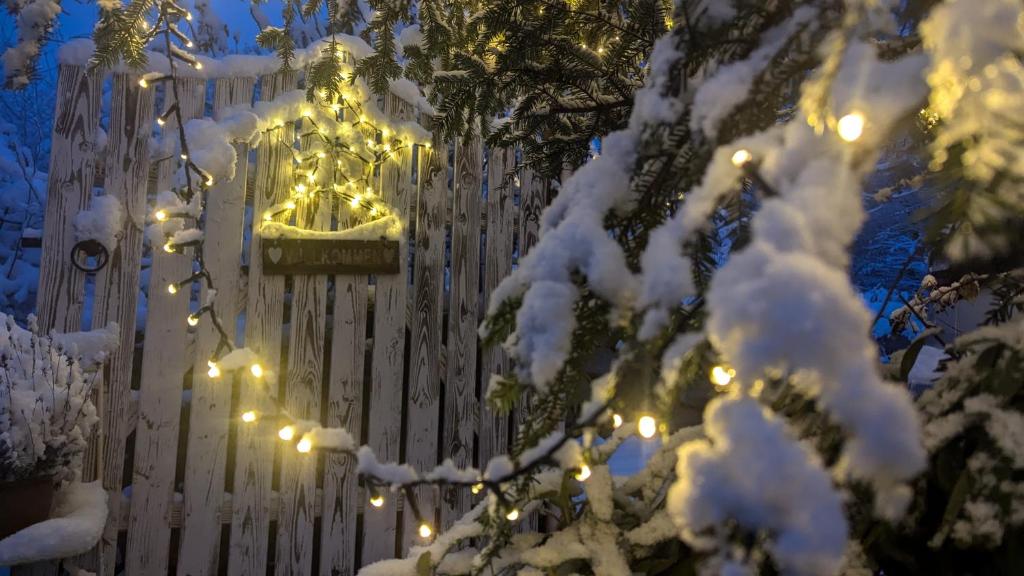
(498, 264)
(341, 500)
(160, 390)
(341, 493)
(117, 285)
(72, 168)
(460, 405)
(303, 382)
(387, 371)
(250, 526)
(210, 415)
(424, 402)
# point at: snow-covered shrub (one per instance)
(45, 410)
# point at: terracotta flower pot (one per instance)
(24, 503)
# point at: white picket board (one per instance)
(500, 210)
(254, 460)
(72, 169)
(461, 412)
(424, 396)
(303, 383)
(210, 415)
(388, 357)
(163, 371)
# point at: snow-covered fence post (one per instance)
(210, 409)
(163, 371)
(494, 432)
(461, 408)
(254, 457)
(72, 168)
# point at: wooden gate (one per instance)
(393, 359)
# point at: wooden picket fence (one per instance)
(394, 359)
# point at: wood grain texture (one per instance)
(163, 371)
(384, 434)
(341, 501)
(117, 285)
(210, 415)
(424, 397)
(500, 234)
(303, 383)
(72, 168)
(254, 464)
(460, 404)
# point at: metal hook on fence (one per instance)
(85, 249)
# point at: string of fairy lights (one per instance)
(323, 167)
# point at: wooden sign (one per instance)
(326, 256)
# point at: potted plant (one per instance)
(45, 418)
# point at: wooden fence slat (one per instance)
(345, 406)
(341, 496)
(424, 402)
(460, 405)
(250, 527)
(163, 372)
(388, 357)
(303, 382)
(117, 285)
(500, 209)
(72, 168)
(210, 415)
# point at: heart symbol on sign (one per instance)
(274, 253)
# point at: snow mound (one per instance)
(79, 513)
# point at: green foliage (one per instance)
(122, 35)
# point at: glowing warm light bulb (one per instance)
(209, 181)
(189, 44)
(160, 215)
(188, 16)
(307, 113)
(476, 488)
(160, 122)
(199, 65)
(851, 126)
(722, 375)
(249, 416)
(354, 202)
(290, 204)
(427, 145)
(425, 531)
(214, 371)
(584, 473)
(169, 248)
(616, 420)
(647, 426)
(267, 216)
(335, 107)
(376, 501)
(304, 445)
(321, 155)
(256, 370)
(184, 156)
(143, 83)
(300, 188)
(192, 320)
(286, 433)
(741, 157)
(512, 515)
(172, 289)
